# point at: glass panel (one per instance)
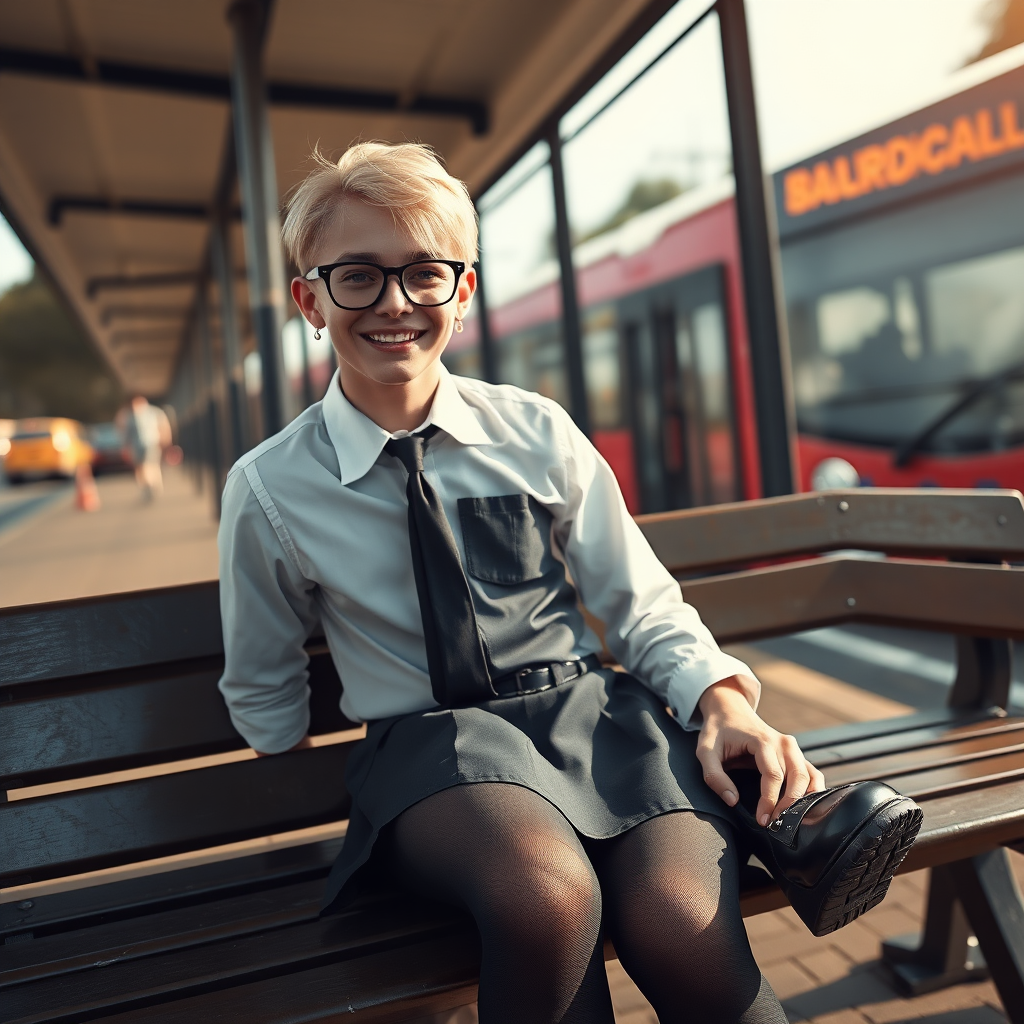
(521, 275)
(648, 189)
(666, 135)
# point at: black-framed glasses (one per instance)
(361, 285)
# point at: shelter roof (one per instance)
(115, 122)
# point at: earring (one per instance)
(458, 326)
(316, 334)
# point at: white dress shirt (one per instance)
(314, 529)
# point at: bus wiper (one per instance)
(906, 451)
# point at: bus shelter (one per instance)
(145, 151)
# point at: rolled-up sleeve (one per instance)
(649, 628)
(268, 608)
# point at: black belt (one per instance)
(536, 678)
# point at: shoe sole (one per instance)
(860, 878)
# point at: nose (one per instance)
(392, 301)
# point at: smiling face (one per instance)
(392, 344)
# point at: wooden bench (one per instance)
(127, 684)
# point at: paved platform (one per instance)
(58, 552)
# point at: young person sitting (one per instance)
(443, 531)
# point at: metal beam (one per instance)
(258, 178)
(218, 87)
(115, 281)
(129, 207)
(769, 349)
(142, 313)
(572, 335)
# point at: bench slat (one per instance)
(147, 894)
(86, 829)
(958, 523)
(918, 743)
(135, 722)
(102, 634)
(430, 976)
(759, 603)
(934, 755)
(160, 932)
(121, 985)
(965, 773)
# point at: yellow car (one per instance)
(45, 446)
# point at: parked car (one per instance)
(46, 446)
(110, 453)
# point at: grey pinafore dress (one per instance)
(602, 748)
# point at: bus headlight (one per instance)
(61, 441)
(834, 474)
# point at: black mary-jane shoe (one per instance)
(832, 853)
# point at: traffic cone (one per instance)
(87, 496)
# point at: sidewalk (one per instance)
(60, 553)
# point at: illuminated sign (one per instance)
(975, 132)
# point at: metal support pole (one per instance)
(488, 356)
(259, 201)
(210, 410)
(769, 350)
(570, 305)
(220, 260)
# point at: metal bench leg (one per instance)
(945, 953)
(992, 898)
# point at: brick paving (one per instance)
(61, 553)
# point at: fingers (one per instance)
(798, 774)
(710, 757)
(772, 776)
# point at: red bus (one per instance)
(902, 256)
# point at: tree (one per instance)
(643, 196)
(1005, 22)
(48, 365)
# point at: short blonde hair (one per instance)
(407, 178)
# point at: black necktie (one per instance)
(455, 655)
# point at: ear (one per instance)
(306, 299)
(465, 292)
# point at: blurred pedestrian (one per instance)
(146, 431)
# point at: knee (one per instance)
(549, 888)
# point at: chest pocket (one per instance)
(506, 538)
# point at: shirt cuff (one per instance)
(688, 684)
(268, 737)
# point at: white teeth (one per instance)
(394, 339)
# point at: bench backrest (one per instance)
(129, 681)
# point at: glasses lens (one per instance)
(355, 285)
(429, 284)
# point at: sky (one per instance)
(824, 70)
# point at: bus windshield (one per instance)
(876, 360)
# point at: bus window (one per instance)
(879, 362)
(533, 359)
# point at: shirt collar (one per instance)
(359, 441)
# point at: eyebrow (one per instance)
(375, 257)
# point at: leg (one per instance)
(671, 894)
(512, 860)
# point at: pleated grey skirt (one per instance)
(603, 749)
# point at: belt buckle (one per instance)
(523, 673)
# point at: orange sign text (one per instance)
(902, 158)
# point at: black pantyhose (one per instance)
(670, 903)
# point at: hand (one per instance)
(733, 730)
(304, 744)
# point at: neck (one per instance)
(394, 407)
